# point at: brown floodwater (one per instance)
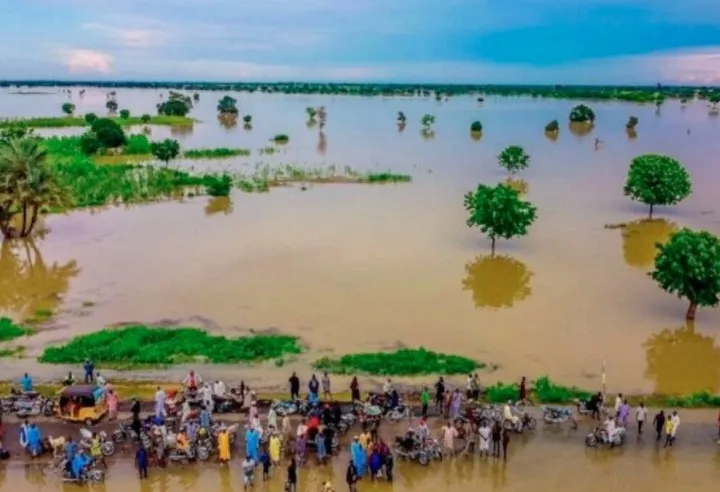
(354, 267)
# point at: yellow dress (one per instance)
(224, 446)
(364, 441)
(275, 449)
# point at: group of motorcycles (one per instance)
(30, 404)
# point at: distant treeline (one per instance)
(623, 93)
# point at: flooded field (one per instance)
(350, 267)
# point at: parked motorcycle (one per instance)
(559, 415)
(124, 432)
(283, 408)
(107, 446)
(414, 450)
(526, 421)
(398, 413)
(33, 405)
(600, 436)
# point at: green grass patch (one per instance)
(280, 138)
(40, 316)
(10, 331)
(73, 121)
(386, 177)
(501, 392)
(403, 362)
(15, 352)
(696, 400)
(545, 391)
(216, 153)
(141, 345)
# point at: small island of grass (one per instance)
(216, 153)
(280, 138)
(403, 362)
(73, 121)
(10, 331)
(139, 345)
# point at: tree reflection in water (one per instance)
(219, 204)
(640, 237)
(682, 361)
(497, 281)
(27, 284)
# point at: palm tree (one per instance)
(27, 185)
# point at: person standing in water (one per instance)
(496, 436)
(439, 394)
(425, 401)
(326, 386)
(505, 443)
(640, 416)
(294, 387)
(659, 421)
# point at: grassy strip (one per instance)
(74, 121)
(543, 391)
(216, 153)
(10, 331)
(139, 345)
(386, 177)
(403, 362)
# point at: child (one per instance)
(265, 460)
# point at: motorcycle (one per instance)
(124, 432)
(526, 421)
(90, 475)
(559, 415)
(412, 451)
(600, 436)
(32, 405)
(346, 422)
(283, 408)
(107, 446)
(398, 413)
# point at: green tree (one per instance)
(476, 127)
(68, 108)
(632, 123)
(165, 150)
(146, 118)
(514, 159)
(688, 265)
(16, 132)
(311, 113)
(89, 143)
(28, 184)
(247, 119)
(427, 121)
(499, 212)
(401, 119)
(552, 127)
(657, 180)
(90, 118)
(109, 133)
(111, 105)
(173, 107)
(582, 114)
(714, 100)
(196, 97)
(124, 114)
(227, 106)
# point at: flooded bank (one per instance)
(352, 268)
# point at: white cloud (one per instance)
(86, 61)
(133, 38)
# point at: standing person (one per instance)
(294, 387)
(358, 456)
(425, 401)
(676, 423)
(313, 388)
(618, 403)
(354, 389)
(449, 433)
(248, 466)
(624, 414)
(159, 403)
(455, 404)
(475, 387)
(522, 394)
(223, 445)
(275, 449)
(351, 476)
(326, 386)
(387, 387)
(265, 461)
(640, 416)
(668, 431)
(272, 419)
(100, 380)
(112, 402)
(96, 451)
(505, 443)
(320, 448)
(659, 421)
(26, 383)
(484, 433)
(496, 435)
(718, 426)
(469, 387)
(89, 369)
(141, 461)
(439, 394)
(291, 484)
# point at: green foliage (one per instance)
(696, 400)
(280, 138)
(657, 180)
(109, 133)
(219, 186)
(227, 106)
(137, 145)
(124, 114)
(514, 159)
(68, 108)
(111, 105)
(71, 121)
(501, 393)
(145, 118)
(247, 119)
(545, 391)
(582, 114)
(688, 265)
(552, 127)
(499, 212)
(311, 113)
(659, 100)
(173, 107)
(196, 97)
(632, 122)
(140, 345)
(427, 121)
(476, 127)
(386, 177)
(90, 118)
(403, 362)
(401, 117)
(15, 132)
(165, 150)
(10, 331)
(89, 143)
(216, 153)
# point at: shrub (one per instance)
(124, 114)
(403, 362)
(476, 127)
(90, 118)
(10, 331)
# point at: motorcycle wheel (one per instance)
(531, 423)
(335, 441)
(591, 441)
(392, 417)
(108, 448)
(508, 425)
(342, 428)
(118, 437)
(203, 454)
(48, 411)
(96, 476)
(423, 458)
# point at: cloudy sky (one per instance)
(484, 41)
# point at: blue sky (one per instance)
(484, 41)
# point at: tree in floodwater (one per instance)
(657, 180)
(514, 159)
(27, 283)
(497, 281)
(165, 150)
(227, 106)
(552, 127)
(28, 184)
(311, 114)
(632, 122)
(688, 265)
(582, 114)
(68, 108)
(111, 105)
(499, 212)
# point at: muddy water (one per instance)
(352, 268)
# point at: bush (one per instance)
(552, 127)
(632, 122)
(108, 132)
(11, 331)
(143, 345)
(501, 393)
(280, 138)
(582, 114)
(124, 114)
(219, 186)
(146, 118)
(476, 127)
(173, 107)
(90, 118)
(89, 143)
(137, 145)
(403, 362)
(545, 391)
